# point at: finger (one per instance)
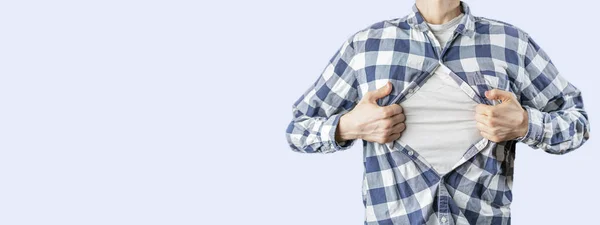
(398, 128)
(395, 108)
(398, 118)
(483, 127)
(497, 94)
(487, 136)
(391, 110)
(484, 109)
(482, 119)
(393, 137)
(380, 93)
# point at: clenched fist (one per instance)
(371, 122)
(502, 122)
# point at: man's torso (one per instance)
(400, 185)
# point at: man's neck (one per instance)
(438, 11)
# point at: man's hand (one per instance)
(371, 122)
(502, 122)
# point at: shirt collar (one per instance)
(465, 27)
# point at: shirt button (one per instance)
(443, 219)
(410, 152)
(410, 91)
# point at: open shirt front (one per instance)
(399, 186)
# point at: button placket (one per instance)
(409, 93)
(443, 204)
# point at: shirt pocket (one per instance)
(485, 80)
(489, 79)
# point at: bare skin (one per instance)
(502, 122)
(438, 11)
(371, 122)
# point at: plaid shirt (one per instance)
(399, 186)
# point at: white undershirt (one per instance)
(443, 32)
(440, 117)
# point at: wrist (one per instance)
(524, 126)
(345, 131)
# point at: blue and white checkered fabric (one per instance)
(399, 186)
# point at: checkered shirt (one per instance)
(399, 186)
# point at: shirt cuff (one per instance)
(327, 135)
(535, 127)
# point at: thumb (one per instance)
(497, 94)
(381, 92)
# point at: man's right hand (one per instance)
(371, 122)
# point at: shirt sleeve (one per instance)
(317, 112)
(558, 122)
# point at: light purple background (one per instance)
(174, 112)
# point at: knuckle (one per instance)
(388, 124)
(385, 132)
(402, 127)
(495, 132)
(382, 126)
(398, 107)
(389, 112)
(483, 119)
(383, 112)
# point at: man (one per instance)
(440, 98)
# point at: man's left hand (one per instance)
(504, 121)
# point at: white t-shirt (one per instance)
(440, 117)
(443, 32)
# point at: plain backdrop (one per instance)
(174, 112)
